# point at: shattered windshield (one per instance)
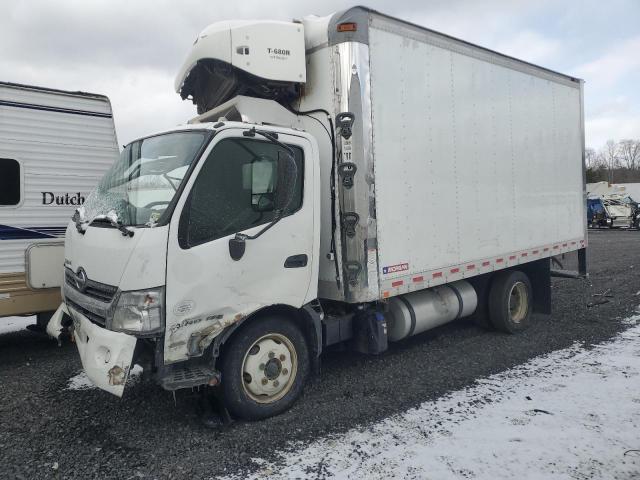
(138, 188)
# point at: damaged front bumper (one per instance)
(106, 355)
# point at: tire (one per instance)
(42, 319)
(265, 366)
(510, 301)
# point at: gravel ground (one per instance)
(50, 431)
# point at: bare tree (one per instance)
(619, 160)
(629, 151)
(590, 158)
(611, 156)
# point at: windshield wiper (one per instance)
(112, 219)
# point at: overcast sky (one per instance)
(131, 50)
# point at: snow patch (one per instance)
(573, 413)
(15, 324)
(82, 382)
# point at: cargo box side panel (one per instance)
(478, 166)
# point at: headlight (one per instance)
(139, 312)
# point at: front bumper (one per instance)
(106, 356)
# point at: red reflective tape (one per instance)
(418, 279)
(524, 254)
(564, 244)
(471, 267)
(512, 257)
(499, 260)
(535, 251)
(546, 249)
(437, 274)
(397, 284)
(573, 243)
(556, 246)
(486, 264)
(455, 270)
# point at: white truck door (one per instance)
(231, 191)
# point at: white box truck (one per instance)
(54, 147)
(351, 179)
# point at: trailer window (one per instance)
(10, 182)
(235, 190)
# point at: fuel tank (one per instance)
(419, 311)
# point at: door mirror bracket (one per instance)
(238, 244)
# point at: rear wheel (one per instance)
(510, 301)
(265, 367)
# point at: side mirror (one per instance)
(237, 246)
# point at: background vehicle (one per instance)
(54, 147)
(350, 179)
(596, 213)
(620, 209)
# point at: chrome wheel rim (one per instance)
(518, 302)
(269, 368)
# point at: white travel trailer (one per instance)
(350, 179)
(54, 147)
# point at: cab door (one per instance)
(231, 191)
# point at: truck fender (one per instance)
(310, 315)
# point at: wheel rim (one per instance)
(269, 368)
(518, 302)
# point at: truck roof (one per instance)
(76, 93)
(361, 15)
(222, 125)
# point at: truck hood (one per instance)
(106, 256)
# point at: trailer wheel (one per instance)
(510, 301)
(264, 368)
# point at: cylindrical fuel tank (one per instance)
(418, 311)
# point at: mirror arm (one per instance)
(238, 242)
(277, 218)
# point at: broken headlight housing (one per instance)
(140, 311)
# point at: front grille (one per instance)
(97, 290)
(93, 317)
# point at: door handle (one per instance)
(296, 261)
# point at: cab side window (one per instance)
(10, 182)
(235, 190)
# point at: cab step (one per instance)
(191, 376)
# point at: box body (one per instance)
(467, 161)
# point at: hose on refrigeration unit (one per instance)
(332, 138)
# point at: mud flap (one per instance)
(106, 356)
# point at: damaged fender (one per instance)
(190, 337)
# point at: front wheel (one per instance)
(264, 368)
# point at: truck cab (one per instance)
(190, 231)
